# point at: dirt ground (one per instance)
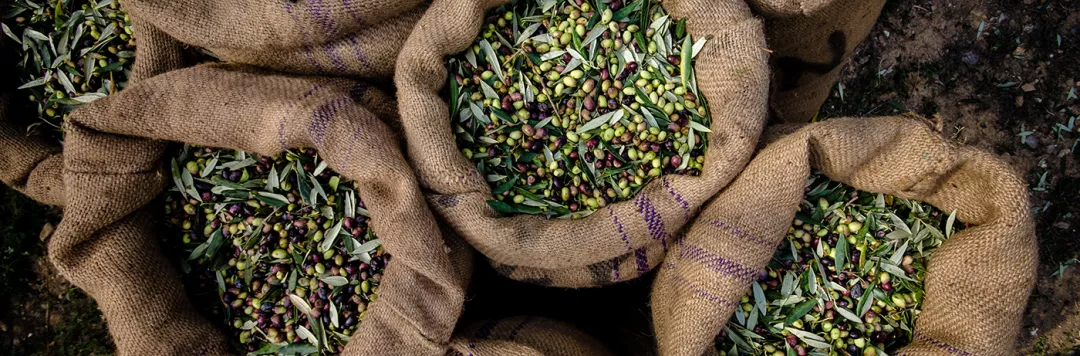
(1002, 75)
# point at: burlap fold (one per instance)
(524, 336)
(111, 172)
(810, 40)
(112, 169)
(977, 283)
(354, 38)
(625, 239)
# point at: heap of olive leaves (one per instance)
(847, 280)
(567, 106)
(281, 245)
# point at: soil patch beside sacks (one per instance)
(625, 239)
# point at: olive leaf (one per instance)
(335, 281)
(304, 333)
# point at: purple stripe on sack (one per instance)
(704, 294)
(360, 56)
(352, 12)
(716, 263)
(942, 345)
(642, 261)
(335, 59)
(358, 90)
(653, 221)
(307, 49)
(615, 269)
(619, 227)
(320, 118)
(737, 232)
(448, 201)
(683, 203)
(318, 11)
(285, 117)
(281, 128)
(517, 329)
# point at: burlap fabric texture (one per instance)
(112, 170)
(977, 283)
(811, 40)
(524, 336)
(354, 38)
(618, 242)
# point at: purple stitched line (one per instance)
(942, 345)
(704, 294)
(737, 232)
(352, 12)
(281, 128)
(320, 118)
(448, 201)
(615, 269)
(652, 220)
(619, 227)
(642, 261)
(358, 90)
(335, 59)
(285, 117)
(359, 52)
(307, 40)
(514, 332)
(716, 263)
(318, 11)
(678, 199)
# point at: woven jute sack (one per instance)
(524, 336)
(978, 280)
(113, 170)
(355, 38)
(810, 41)
(28, 163)
(620, 241)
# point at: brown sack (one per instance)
(625, 239)
(524, 336)
(112, 174)
(355, 38)
(978, 281)
(810, 40)
(30, 164)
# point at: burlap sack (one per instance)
(111, 173)
(978, 281)
(623, 240)
(524, 336)
(355, 38)
(810, 41)
(28, 163)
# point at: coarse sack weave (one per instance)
(353, 38)
(29, 164)
(977, 283)
(623, 240)
(112, 173)
(524, 336)
(810, 40)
